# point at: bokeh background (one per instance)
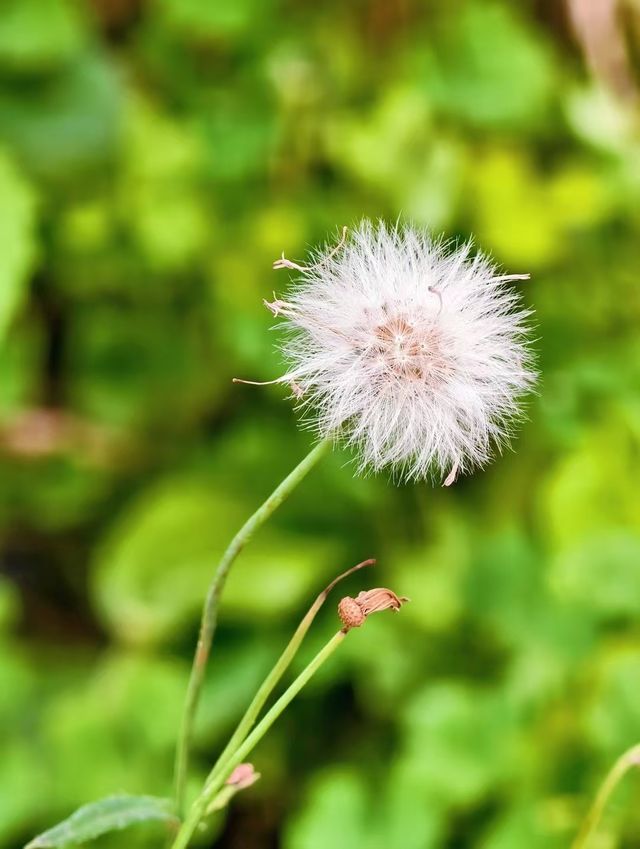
(155, 158)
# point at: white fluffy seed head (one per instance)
(414, 352)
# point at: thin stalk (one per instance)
(266, 688)
(210, 610)
(624, 763)
(199, 807)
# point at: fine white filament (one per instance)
(413, 351)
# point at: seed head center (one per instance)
(411, 350)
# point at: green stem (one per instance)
(213, 785)
(624, 763)
(266, 688)
(210, 610)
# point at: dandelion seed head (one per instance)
(414, 351)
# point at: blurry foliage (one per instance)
(154, 159)
(17, 224)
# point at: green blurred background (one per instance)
(155, 157)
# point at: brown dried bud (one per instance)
(350, 613)
(379, 599)
(353, 611)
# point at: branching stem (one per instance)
(218, 776)
(210, 610)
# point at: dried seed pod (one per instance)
(380, 598)
(350, 613)
(353, 611)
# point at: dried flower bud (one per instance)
(244, 775)
(353, 611)
(350, 613)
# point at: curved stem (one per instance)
(266, 688)
(210, 610)
(201, 804)
(624, 763)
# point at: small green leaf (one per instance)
(96, 818)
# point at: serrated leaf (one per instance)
(110, 814)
